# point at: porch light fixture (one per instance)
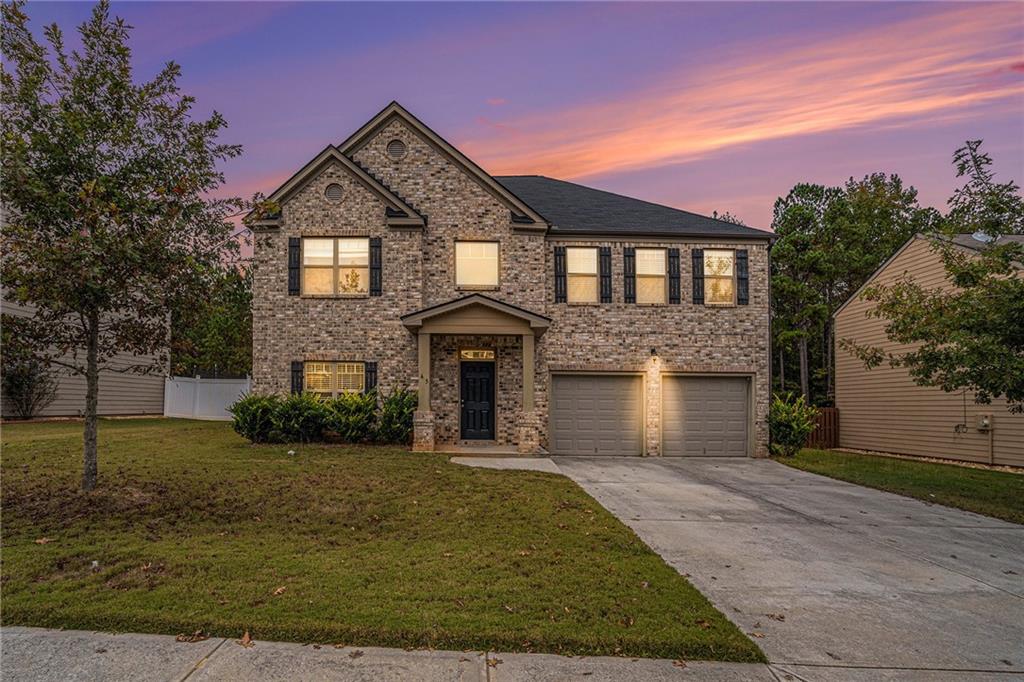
(654, 351)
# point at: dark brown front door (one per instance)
(477, 401)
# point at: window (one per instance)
(476, 354)
(334, 378)
(719, 284)
(336, 266)
(651, 282)
(581, 271)
(476, 265)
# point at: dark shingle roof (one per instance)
(575, 208)
(972, 242)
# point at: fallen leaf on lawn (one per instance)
(704, 624)
(460, 603)
(833, 656)
(777, 616)
(246, 640)
(355, 654)
(44, 541)
(447, 555)
(645, 584)
(146, 566)
(493, 662)
(101, 650)
(316, 646)
(567, 609)
(679, 663)
(196, 636)
(524, 552)
(759, 635)
(509, 608)
(279, 590)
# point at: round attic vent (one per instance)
(334, 192)
(396, 149)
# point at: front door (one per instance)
(477, 400)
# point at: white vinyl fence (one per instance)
(198, 398)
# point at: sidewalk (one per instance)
(36, 654)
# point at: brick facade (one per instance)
(418, 271)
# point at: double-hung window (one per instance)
(476, 265)
(581, 272)
(719, 277)
(338, 266)
(334, 378)
(651, 279)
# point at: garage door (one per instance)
(596, 415)
(704, 416)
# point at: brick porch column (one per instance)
(528, 441)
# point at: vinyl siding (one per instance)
(882, 409)
(119, 393)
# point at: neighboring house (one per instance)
(119, 393)
(529, 313)
(882, 408)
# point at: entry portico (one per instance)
(462, 398)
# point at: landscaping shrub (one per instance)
(254, 417)
(300, 418)
(790, 422)
(352, 416)
(27, 385)
(394, 424)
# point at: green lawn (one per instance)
(194, 529)
(992, 493)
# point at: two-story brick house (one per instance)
(528, 313)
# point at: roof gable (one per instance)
(522, 214)
(398, 212)
(415, 320)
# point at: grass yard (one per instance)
(195, 529)
(992, 493)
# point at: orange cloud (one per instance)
(920, 67)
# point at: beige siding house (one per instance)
(530, 314)
(882, 409)
(119, 393)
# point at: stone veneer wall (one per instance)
(419, 269)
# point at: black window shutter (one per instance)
(369, 376)
(673, 276)
(605, 265)
(698, 275)
(293, 266)
(742, 278)
(560, 284)
(375, 267)
(296, 376)
(629, 272)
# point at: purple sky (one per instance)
(703, 106)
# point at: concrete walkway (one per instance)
(836, 581)
(38, 655)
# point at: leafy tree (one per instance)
(107, 191)
(971, 338)
(831, 239)
(727, 217)
(215, 334)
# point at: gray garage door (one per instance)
(596, 415)
(704, 416)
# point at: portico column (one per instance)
(529, 434)
(424, 363)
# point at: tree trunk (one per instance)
(804, 378)
(782, 371)
(92, 390)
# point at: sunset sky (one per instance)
(702, 106)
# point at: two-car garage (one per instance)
(603, 414)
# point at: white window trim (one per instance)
(335, 267)
(478, 287)
(708, 277)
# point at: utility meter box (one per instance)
(984, 422)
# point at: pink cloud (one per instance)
(496, 101)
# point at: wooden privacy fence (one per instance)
(826, 429)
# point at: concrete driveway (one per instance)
(835, 581)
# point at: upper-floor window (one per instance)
(651, 279)
(334, 378)
(336, 266)
(719, 277)
(476, 265)
(581, 272)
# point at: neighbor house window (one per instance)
(336, 266)
(719, 282)
(476, 265)
(581, 271)
(651, 282)
(334, 378)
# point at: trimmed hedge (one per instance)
(309, 418)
